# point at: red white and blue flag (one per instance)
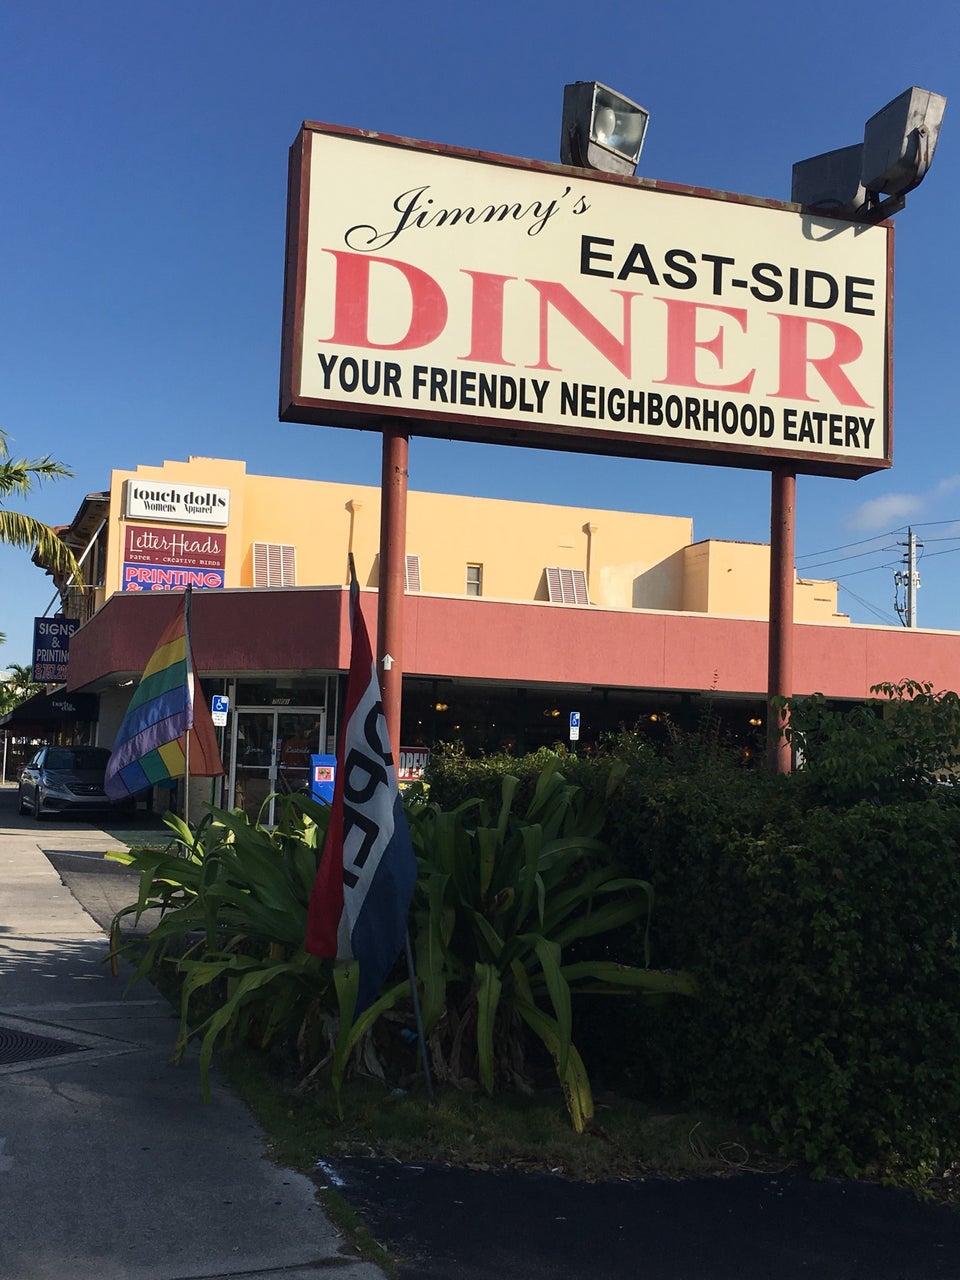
(361, 896)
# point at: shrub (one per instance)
(824, 940)
(895, 746)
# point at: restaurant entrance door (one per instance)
(270, 752)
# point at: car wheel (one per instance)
(21, 804)
(36, 805)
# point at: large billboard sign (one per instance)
(493, 299)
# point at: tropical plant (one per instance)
(16, 685)
(18, 476)
(21, 683)
(233, 898)
(500, 898)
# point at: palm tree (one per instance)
(21, 683)
(18, 475)
(16, 685)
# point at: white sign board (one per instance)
(574, 726)
(535, 304)
(163, 500)
(219, 709)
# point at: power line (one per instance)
(865, 604)
(844, 546)
(854, 573)
(891, 533)
(823, 564)
(948, 552)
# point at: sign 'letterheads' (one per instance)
(498, 300)
(165, 500)
(51, 644)
(183, 547)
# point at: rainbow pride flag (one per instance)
(149, 746)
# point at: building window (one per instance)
(567, 586)
(413, 573)
(474, 579)
(274, 565)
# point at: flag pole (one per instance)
(418, 1019)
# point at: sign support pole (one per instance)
(393, 546)
(783, 491)
(391, 592)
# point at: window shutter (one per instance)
(274, 565)
(567, 586)
(413, 573)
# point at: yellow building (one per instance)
(280, 532)
(517, 614)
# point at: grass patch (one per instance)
(511, 1131)
(528, 1132)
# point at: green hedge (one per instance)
(824, 938)
(826, 949)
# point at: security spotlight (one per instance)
(896, 152)
(899, 142)
(831, 183)
(601, 129)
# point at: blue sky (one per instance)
(144, 153)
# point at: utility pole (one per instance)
(909, 579)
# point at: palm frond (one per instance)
(18, 530)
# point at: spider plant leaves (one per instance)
(548, 953)
(608, 977)
(251, 977)
(503, 891)
(489, 987)
(491, 940)
(351, 1030)
(534, 883)
(489, 842)
(431, 962)
(573, 1078)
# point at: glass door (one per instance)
(270, 752)
(298, 737)
(252, 765)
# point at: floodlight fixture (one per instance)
(896, 152)
(601, 129)
(899, 142)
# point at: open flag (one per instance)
(361, 896)
(150, 746)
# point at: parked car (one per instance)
(65, 780)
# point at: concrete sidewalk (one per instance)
(111, 1165)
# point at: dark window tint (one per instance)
(84, 759)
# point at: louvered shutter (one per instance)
(274, 565)
(567, 586)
